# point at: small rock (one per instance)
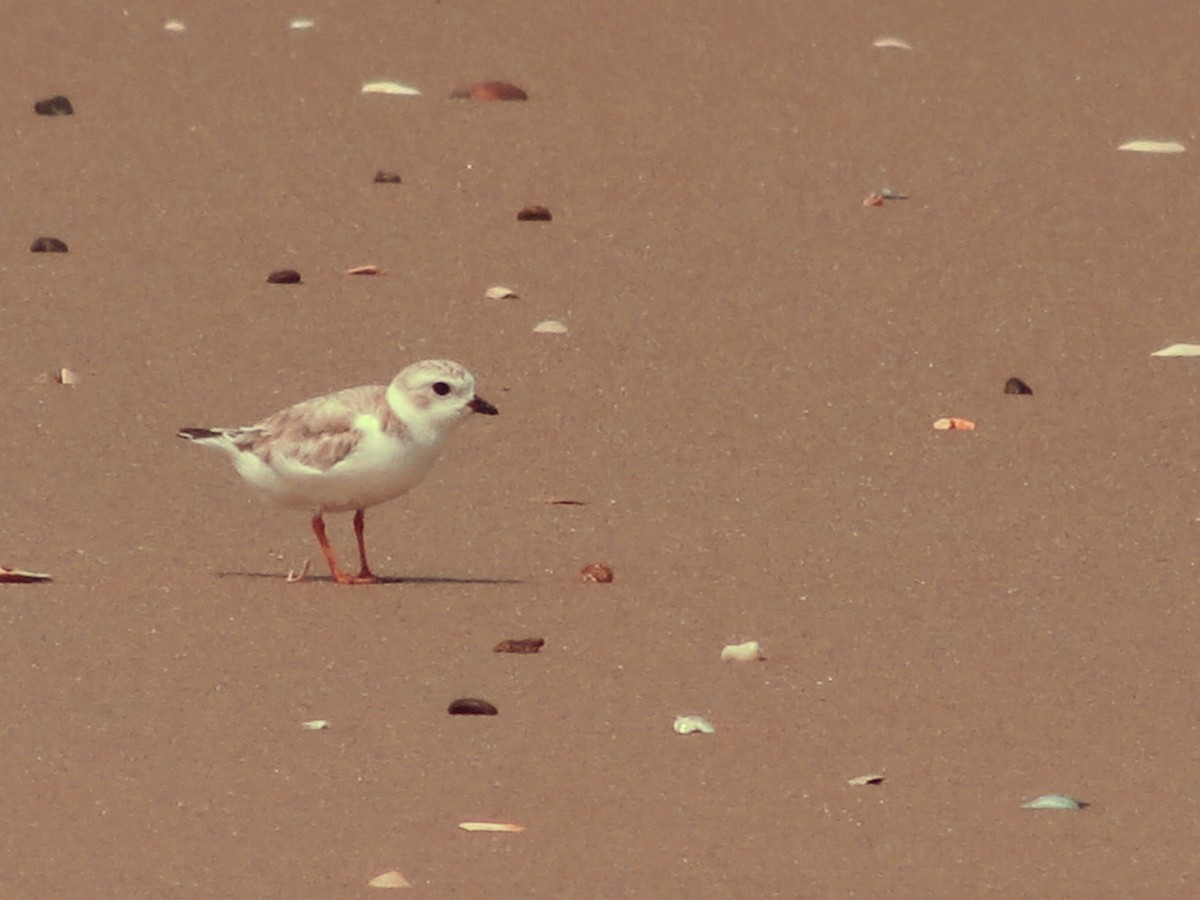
(534, 213)
(54, 106)
(1017, 386)
(47, 245)
(385, 177)
(520, 645)
(598, 573)
(284, 276)
(472, 706)
(490, 90)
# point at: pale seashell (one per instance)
(1153, 146)
(750, 651)
(550, 326)
(863, 780)
(501, 293)
(1053, 801)
(174, 25)
(1178, 350)
(315, 725)
(491, 826)
(898, 43)
(67, 377)
(690, 724)
(301, 24)
(393, 879)
(389, 87)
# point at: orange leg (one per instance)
(365, 577)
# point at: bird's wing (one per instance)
(317, 433)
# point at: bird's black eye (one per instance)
(441, 388)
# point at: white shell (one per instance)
(690, 724)
(863, 780)
(174, 25)
(501, 293)
(315, 725)
(393, 879)
(389, 87)
(750, 651)
(1153, 146)
(1178, 350)
(1052, 801)
(550, 326)
(898, 43)
(491, 826)
(301, 24)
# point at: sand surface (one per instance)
(743, 402)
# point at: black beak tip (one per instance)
(479, 405)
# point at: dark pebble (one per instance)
(54, 106)
(383, 177)
(1017, 386)
(490, 90)
(534, 214)
(470, 706)
(284, 276)
(520, 645)
(47, 245)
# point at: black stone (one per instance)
(47, 245)
(54, 106)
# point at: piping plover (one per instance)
(351, 449)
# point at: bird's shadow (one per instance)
(411, 579)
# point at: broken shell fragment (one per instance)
(534, 213)
(520, 645)
(67, 377)
(693, 724)
(385, 177)
(365, 270)
(1015, 385)
(501, 293)
(597, 573)
(1153, 147)
(893, 42)
(47, 245)
(284, 276)
(509, 827)
(550, 326)
(19, 576)
(393, 879)
(389, 87)
(293, 575)
(472, 706)
(301, 24)
(315, 725)
(1053, 801)
(954, 424)
(874, 199)
(174, 25)
(863, 780)
(749, 651)
(490, 90)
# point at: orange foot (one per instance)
(361, 578)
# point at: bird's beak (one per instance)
(479, 405)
